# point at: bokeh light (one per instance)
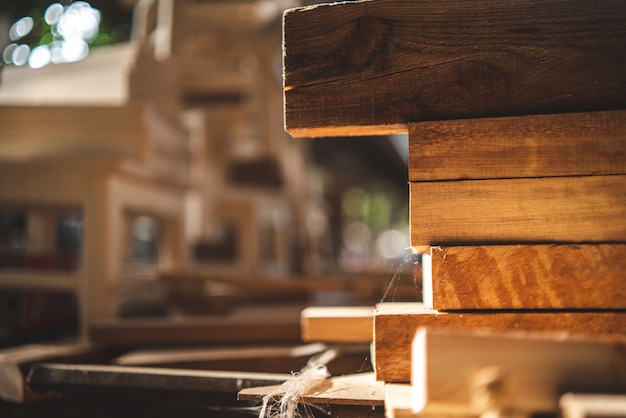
(71, 29)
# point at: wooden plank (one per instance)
(399, 404)
(396, 323)
(570, 144)
(70, 132)
(338, 324)
(367, 285)
(162, 356)
(558, 209)
(254, 326)
(526, 277)
(356, 389)
(357, 68)
(20, 279)
(521, 372)
(577, 405)
(15, 363)
(58, 377)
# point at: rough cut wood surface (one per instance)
(528, 277)
(396, 323)
(354, 389)
(370, 67)
(557, 209)
(338, 324)
(570, 144)
(512, 371)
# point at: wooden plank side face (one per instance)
(559, 209)
(529, 277)
(395, 325)
(571, 144)
(511, 371)
(371, 67)
(337, 324)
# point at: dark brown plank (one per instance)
(50, 376)
(527, 277)
(370, 67)
(395, 325)
(570, 144)
(558, 209)
(254, 325)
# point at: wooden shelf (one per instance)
(37, 279)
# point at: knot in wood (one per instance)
(368, 40)
(481, 78)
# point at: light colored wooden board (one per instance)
(100, 79)
(525, 373)
(559, 209)
(370, 67)
(396, 323)
(399, 404)
(357, 389)
(584, 405)
(570, 144)
(338, 323)
(526, 277)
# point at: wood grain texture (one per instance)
(570, 144)
(477, 371)
(528, 277)
(558, 209)
(370, 67)
(396, 323)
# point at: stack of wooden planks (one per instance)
(516, 155)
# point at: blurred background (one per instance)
(144, 171)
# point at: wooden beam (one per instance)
(521, 372)
(396, 323)
(353, 324)
(555, 209)
(526, 277)
(570, 144)
(370, 67)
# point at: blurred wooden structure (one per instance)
(183, 124)
(108, 150)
